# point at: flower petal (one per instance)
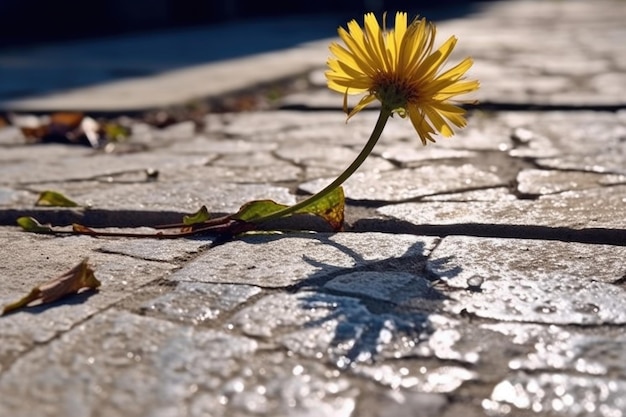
(400, 68)
(362, 104)
(453, 113)
(460, 87)
(344, 55)
(458, 70)
(439, 123)
(423, 129)
(431, 64)
(376, 41)
(357, 46)
(420, 39)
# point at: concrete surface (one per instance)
(481, 275)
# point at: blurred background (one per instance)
(35, 21)
(60, 46)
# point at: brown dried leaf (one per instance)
(79, 228)
(70, 282)
(60, 127)
(69, 120)
(33, 127)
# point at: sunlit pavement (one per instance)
(481, 275)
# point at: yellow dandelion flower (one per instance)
(399, 68)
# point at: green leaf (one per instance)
(30, 224)
(54, 199)
(115, 132)
(257, 209)
(199, 216)
(330, 208)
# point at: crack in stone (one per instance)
(601, 236)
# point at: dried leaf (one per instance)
(62, 127)
(54, 199)
(79, 228)
(78, 278)
(58, 127)
(33, 127)
(69, 120)
(199, 216)
(30, 224)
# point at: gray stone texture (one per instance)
(484, 274)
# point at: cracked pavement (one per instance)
(481, 275)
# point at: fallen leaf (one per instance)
(199, 216)
(33, 127)
(78, 278)
(54, 199)
(69, 119)
(79, 228)
(63, 127)
(30, 224)
(115, 132)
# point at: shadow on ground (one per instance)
(367, 320)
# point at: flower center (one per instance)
(393, 93)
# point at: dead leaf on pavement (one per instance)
(199, 216)
(78, 278)
(54, 199)
(30, 224)
(61, 127)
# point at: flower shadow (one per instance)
(376, 309)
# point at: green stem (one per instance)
(369, 146)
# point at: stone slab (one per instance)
(532, 280)
(560, 394)
(297, 258)
(592, 208)
(534, 182)
(125, 365)
(459, 258)
(345, 333)
(409, 184)
(196, 303)
(37, 259)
